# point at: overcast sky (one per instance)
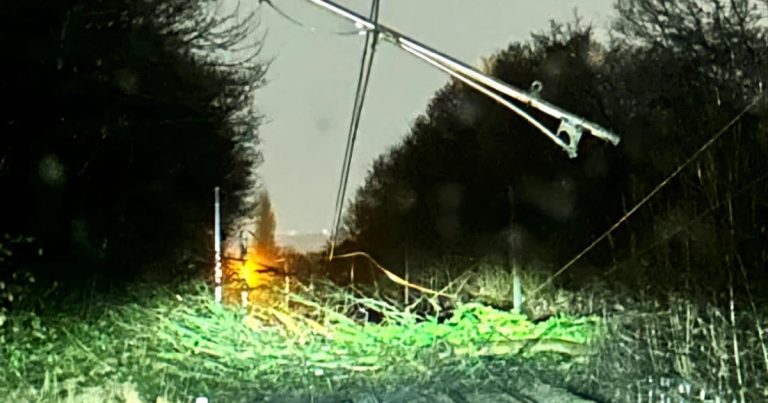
(311, 85)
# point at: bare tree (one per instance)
(726, 37)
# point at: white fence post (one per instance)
(517, 289)
(217, 271)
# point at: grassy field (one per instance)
(175, 343)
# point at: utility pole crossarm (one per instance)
(570, 125)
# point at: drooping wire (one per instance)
(296, 22)
(740, 192)
(650, 195)
(366, 64)
(362, 86)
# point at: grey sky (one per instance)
(308, 99)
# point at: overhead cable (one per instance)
(296, 22)
(366, 64)
(571, 125)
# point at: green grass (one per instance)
(691, 343)
(176, 344)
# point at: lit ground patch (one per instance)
(178, 345)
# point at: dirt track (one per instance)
(536, 392)
(498, 381)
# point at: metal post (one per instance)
(517, 289)
(287, 285)
(517, 285)
(406, 292)
(217, 271)
(514, 245)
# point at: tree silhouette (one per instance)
(121, 118)
(471, 178)
(470, 172)
(265, 227)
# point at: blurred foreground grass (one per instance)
(173, 344)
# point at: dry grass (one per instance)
(176, 344)
(678, 348)
(699, 345)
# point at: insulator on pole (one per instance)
(571, 127)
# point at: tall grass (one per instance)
(174, 344)
(661, 343)
(677, 347)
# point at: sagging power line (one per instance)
(296, 22)
(366, 65)
(571, 127)
(567, 135)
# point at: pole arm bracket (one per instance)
(571, 128)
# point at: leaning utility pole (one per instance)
(571, 127)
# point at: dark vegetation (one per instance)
(119, 119)
(681, 282)
(473, 179)
(265, 228)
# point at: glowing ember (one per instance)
(252, 274)
(252, 270)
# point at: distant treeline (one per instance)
(471, 178)
(118, 119)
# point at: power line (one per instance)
(366, 64)
(650, 195)
(296, 22)
(682, 227)
(573, 126)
